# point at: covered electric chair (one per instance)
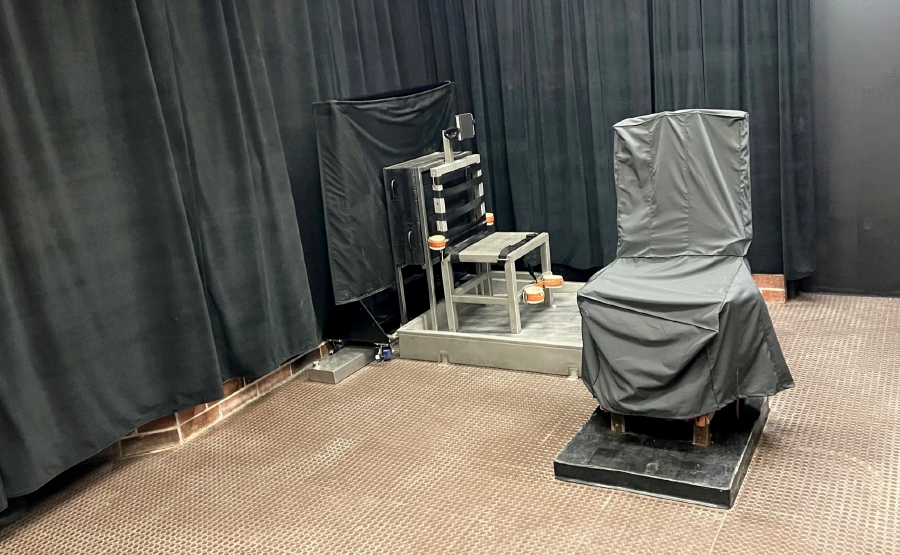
(676, 327)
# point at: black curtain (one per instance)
(752, 56)
(326, 50)
(149, 248)
(550, 78)
(215, 98)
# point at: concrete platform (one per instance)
(550, 341)
(656, 457)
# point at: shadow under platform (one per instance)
(656, 456)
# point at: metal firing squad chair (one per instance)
(466, 235)
(436, 211)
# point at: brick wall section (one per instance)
(172, 430)
(772, 287)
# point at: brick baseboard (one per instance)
(772, 286)
(172, 430)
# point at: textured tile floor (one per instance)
(414, 457)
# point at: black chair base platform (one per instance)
(656, 456)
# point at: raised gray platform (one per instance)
(656, 457)
(340, 365)
(550, 341)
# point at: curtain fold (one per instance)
(798, 188)
(102, 311)
(215, 98)
(149, 247)
(550, 78)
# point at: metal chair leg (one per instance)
(447, 278)
(479, 289)
(487, 290)
(512, 294)
(545, 269)
(401, 293)
(490, 282)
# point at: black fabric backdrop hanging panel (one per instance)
(215, 98)
(357, 139)
(149, 248)
(102, 310)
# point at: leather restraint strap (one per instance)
(476, 235)
(504, 254)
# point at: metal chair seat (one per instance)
(496, 248)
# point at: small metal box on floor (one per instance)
(340, 365)
(655, 456)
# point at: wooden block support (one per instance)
(617, 422)
(701, 430)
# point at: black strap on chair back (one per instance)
(459, 212)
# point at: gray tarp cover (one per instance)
(676, 327)
(356, 139)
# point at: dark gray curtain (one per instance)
(215, 98)
(550, 78)
(553, 77)
(148, 244)
(750, 55)
(326, 50)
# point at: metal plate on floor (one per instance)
(340, 365)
